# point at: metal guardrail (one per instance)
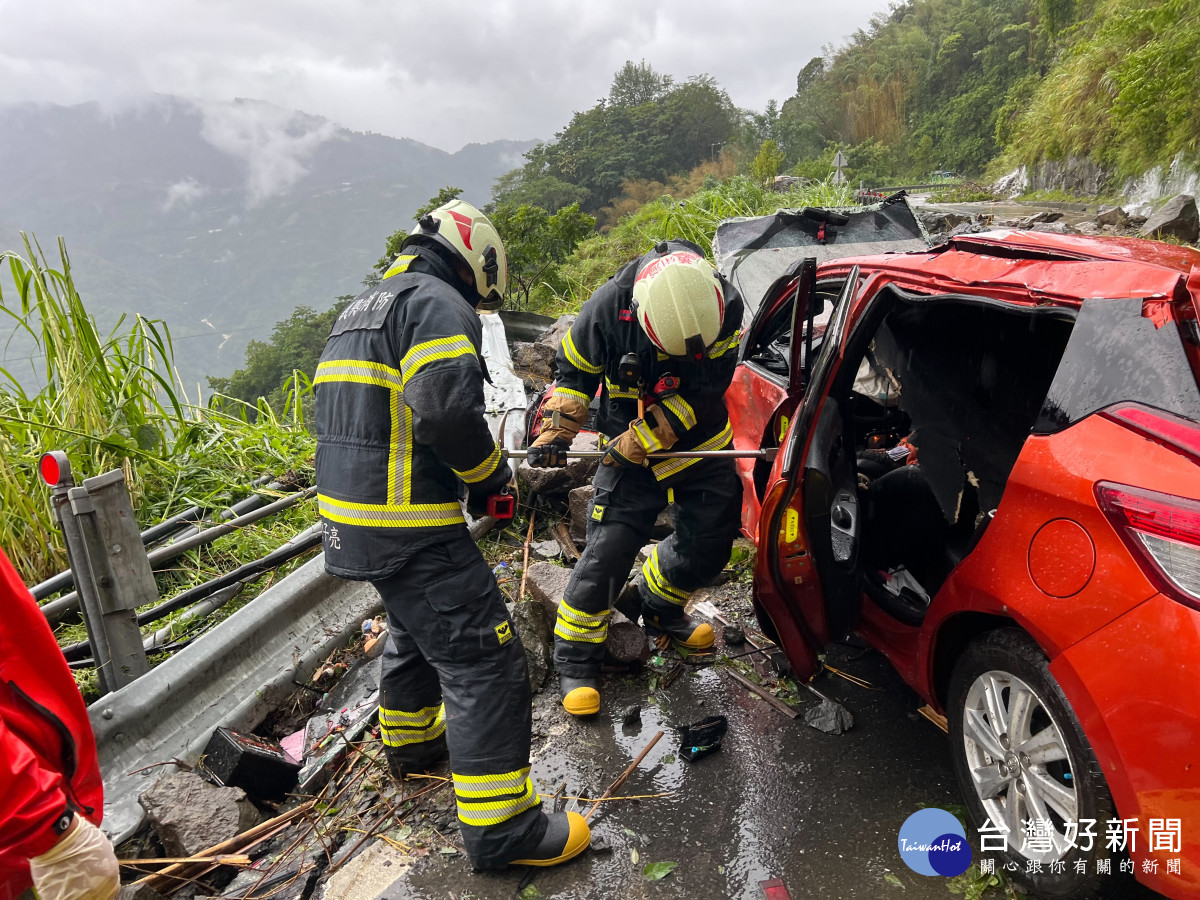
(235, 676)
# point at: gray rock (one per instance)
(190, 815)
(533, 362)
(546, 549)
(579, 503)
(733, 636)
(663, 525)
(938, 222)
(831, 718)
(1113, 216)
(575, 473)
(1091, 228)
(531, 624)
(1177, 217)
(1044, 217)
(547, 583)
(554, 334)
(370, 874)
(143, 892)
(784, 183)
(1053, 227)
(632, 715)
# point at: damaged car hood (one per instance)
(753, 252)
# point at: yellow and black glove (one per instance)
(631, 447)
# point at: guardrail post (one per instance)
(112, 571)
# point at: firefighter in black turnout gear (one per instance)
(400, 427)
(662, 334)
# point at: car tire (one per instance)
(1057, 774)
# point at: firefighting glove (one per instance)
(81, 866)
(478, 493)
(552, 454)
(631, 447)
(564, 417)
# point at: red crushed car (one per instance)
(988, 468)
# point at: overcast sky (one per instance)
(444, 72)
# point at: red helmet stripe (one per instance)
(464, 226)
(720, 304)
(652, 335)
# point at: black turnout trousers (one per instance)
(706, 501)
(455, 665)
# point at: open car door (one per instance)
(806, 580)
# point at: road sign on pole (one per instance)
(839, 163)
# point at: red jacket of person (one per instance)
(48, 761)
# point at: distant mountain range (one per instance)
(218, 218)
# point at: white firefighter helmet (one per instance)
(469, 235)
(680, 303)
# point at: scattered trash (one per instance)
(830, 717)
(659, 870)
(256, 764)
(935, 717)
(703, 737)
(763, 693)
(774, 889)
(375, 633)
(293, 745)
(733, 636)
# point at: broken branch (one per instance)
(762, 692)
(624, 775)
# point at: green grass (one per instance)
(965, 193)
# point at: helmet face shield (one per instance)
(680, 304)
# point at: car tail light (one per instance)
(1172, 431)
(1163, 531)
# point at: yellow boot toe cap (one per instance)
(583, 701)
(700, 639)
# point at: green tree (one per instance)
(634, 85)
(536, 242)
(393, 241)
(766, 164)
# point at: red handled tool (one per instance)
(501, 506)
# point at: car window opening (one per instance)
(772, 342)
(940, 400)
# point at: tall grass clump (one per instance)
(694, 219)
(109, 401)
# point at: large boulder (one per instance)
(1177, 217)
(1113, 217)
(938, 222)
(547, 583)
(784, 183)
(190, 815)
(626, 644)
(576, 473)
(535, 630)
(554, 334)
(534, 363)
(579, 505)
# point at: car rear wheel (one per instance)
(1026, 770)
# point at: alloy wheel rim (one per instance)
(1020, 767)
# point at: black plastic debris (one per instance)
(255, 764)
(703, 737)
(829, 717)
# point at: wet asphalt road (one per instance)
(780, 800)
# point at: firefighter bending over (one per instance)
(400, 423)
(662, 333)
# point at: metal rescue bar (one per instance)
(767, 454)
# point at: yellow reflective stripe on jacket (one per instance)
(720, 348)
(575, 625)
(577, 359)
(389, 515)
(359, 371)
(399, 451)
(400, 265)
(658, 583)
(675, 465)
(421, 355)
(577, 395)
(492, 799)
(484, 469)
(681, 409)
(616, 392)
(402, 728)
(645, 435)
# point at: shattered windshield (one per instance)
(753, 252)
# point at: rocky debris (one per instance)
(575, 473)
(1178, 217)
(1089, 228)
(534, 363)
(369, 874)
(971, 227)
(938, 222)
(632, 716)
(535, 630)
(547, 583)
(138, 892)
(1044, 217)
(664, 525)
(629, 601)
(784, 183)
(1053, 228)
(1112, 216)
(626, 644)
(190, 815)
(546, 549)
(579, 503)
(554, 334)
(733, 636)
